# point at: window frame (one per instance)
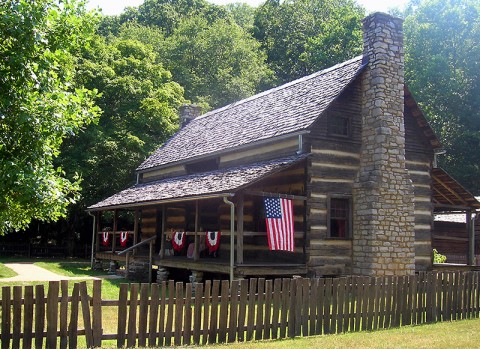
(332, 125)
(348, 228)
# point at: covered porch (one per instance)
(228, 201)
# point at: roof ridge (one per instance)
(281, 87)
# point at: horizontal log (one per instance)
(423, 235)
(333, 174)
(328, 270)
(423, 249)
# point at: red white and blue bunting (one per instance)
(178, 240)
(105, 238)
(213, 240)
(123, 238)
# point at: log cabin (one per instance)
(348, 146)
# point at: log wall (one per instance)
(332, 169)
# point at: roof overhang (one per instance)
(200, 186)
(449, 195)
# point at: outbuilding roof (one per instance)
(215, 183)
(284, 110)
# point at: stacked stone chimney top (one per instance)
(188, 112)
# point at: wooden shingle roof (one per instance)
(202, 185)
(284, 110)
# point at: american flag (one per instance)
(279, 219)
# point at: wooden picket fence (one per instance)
(171, 313)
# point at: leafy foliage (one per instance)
(164, 14)
(39, 106)
(304, 36)
(140, 103)
(243, 14)
(218, 63)
(438, 257)
(442, 50)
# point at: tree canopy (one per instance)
(140, 103)
(218, 63)
(442, 54)
(304, 36)
(39, 106)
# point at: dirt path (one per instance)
(28, 271)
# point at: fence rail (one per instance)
(219, 311)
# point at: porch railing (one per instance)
(132, 249)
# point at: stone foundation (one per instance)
(138, 270)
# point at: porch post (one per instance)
(94, 235)
(135, 229)
(232, 233)
(471, 238)
(115, 227)
(196, 253)
(162, 237)
(99, 227)
(240, 228)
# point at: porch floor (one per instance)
(223, 266)
(214, 265)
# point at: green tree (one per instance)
(218, 63)
(304, 36)
(140, 103)
(164, 14)
(39, 106)
(243, 14)
(442, 49)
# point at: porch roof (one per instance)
(210, 184)
(448, 194)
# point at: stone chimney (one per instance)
(188, 112)
(383, 213)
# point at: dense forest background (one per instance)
(85, 98)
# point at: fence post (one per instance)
(6, 317)
(28, 317)
(132, 316)
(143, 315)
(153, 317)
(97, 313)
(52, 313)
(86, 314)
(64, 315)
(73, 335)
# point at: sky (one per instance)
(115, 7)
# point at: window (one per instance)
(339, 218)
(202, 166)
(338, 125)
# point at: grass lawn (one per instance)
(448, 335)
(459, 334)
(6, 272)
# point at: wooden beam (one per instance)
(99, 227)
(448, 189)
(240, 216)
(162, 239)
(471, 238)
(276, 195)
(115, 228)
(443, 196)
(196, 253)
(135, 227)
